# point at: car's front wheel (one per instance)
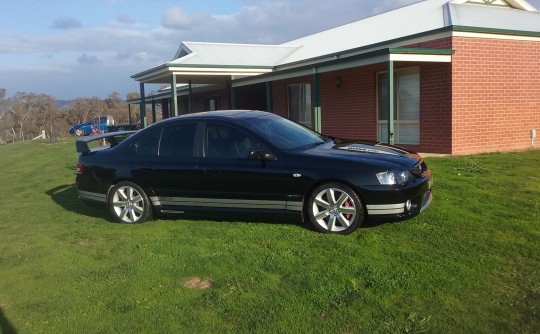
(129, 204)
(335, 208)
(79, 132)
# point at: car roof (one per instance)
(222, 114)
(232, 115)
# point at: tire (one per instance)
(335, 208)
(79, 132)
(129, 204)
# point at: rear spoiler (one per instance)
(114, 138)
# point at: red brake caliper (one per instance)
(347, 204)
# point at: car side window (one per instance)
(148, 145)
(177, 141)
(222, 141)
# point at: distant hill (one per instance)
(63, 103)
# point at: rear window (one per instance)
(177, 141)
(148, 145)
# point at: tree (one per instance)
(46, 114)
(2, 96)
(83, 109)
(26, 114)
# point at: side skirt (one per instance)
(225, 203)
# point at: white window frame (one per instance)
(382, 125)
(305, 112)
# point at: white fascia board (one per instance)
(216, 70)
(494, 36)
(421, 58)
(217, 73)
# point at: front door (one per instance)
(230, 179)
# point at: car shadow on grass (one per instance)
(67, 197)
(5, 325)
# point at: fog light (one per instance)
(408, 205)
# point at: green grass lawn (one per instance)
(469, 264)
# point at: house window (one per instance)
(299, 97)
(406, 106)
(212, 103)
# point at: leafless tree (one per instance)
(28, 114)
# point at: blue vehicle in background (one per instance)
(100, 124)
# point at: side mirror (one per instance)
(261, 155)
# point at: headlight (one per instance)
(394, 177)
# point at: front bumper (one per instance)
(398, 202)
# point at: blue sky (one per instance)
(84, 48)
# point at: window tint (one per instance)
(226, 142)
(148, 145)
(285, 134)
(177, 141)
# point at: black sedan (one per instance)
(250, 161)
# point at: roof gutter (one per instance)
(364, 59)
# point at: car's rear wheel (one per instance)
(79, 132)
(335, 208)
(129, 204)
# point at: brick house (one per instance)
(438, 76)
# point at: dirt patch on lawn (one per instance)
(198, 283)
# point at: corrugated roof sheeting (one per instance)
(494, 17)
(412, 20)
(234, 54)
(408, 21)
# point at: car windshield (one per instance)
(285, 134)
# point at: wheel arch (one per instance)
(305, 200)
(147, 191)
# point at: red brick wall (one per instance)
(435, 108)
(435, 101)
(496, 94)
(350, 111)
(486, 100)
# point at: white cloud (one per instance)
(65, 23)
(124, 45)
(86, 59)
(176, 18)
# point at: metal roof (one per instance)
(411, 20)
(232, 54)
(491, 17)
(201, 61)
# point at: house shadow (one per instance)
(5, 326)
